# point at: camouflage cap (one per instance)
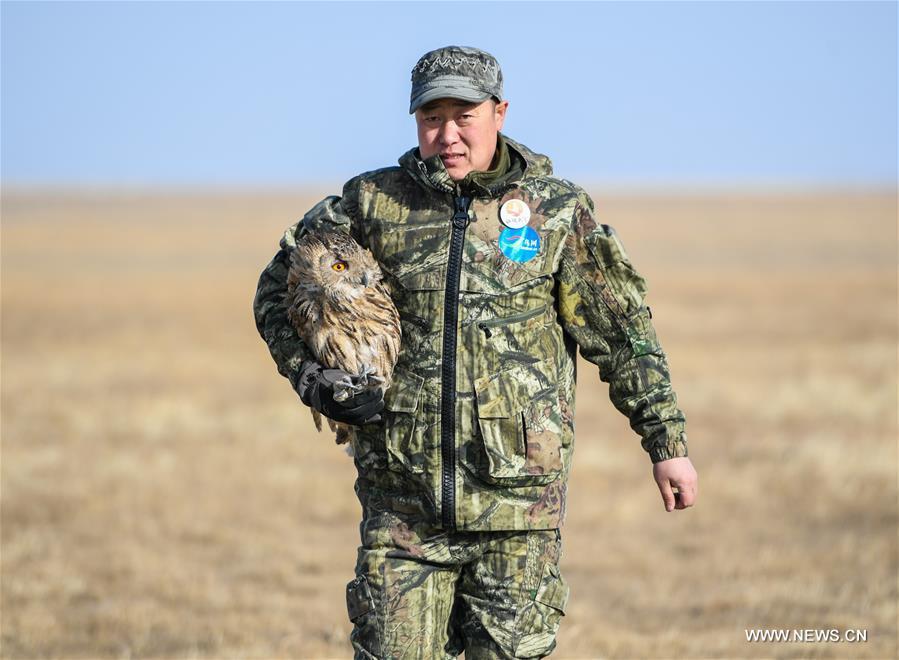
(455, 72)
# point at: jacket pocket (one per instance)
(411, 246)
(367, 631)
(520, 423)
(405, 448)
(491, 271)
(538, 621)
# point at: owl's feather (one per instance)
(343, 312)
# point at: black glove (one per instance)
(315, 385)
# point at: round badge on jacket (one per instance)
(522, 244)
(515, 213)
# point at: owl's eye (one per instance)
(339, 266)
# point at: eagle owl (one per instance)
(343, 312)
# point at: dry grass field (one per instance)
(164, 494)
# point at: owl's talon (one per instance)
(344, 388)
(345, 382)
(369, 379)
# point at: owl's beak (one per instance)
(366, 279)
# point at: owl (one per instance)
(343, 312)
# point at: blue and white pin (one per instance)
(517, 241)
(519, 245)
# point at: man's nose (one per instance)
(449, 133)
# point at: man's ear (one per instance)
(499, 114)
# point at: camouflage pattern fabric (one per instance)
(457, 72)
(422, 592)
(519, 324)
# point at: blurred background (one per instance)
(164, 493)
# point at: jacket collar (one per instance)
(431, 173)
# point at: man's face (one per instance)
(463, 134)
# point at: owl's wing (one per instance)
(338, 350)
(317, 418)
(390, 337)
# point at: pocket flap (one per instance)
(358, 598)
(553, 591)
(641, 334)
(506, 393)
(421, 277)
(404, 391)
(425, 279)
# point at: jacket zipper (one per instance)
(448, 392)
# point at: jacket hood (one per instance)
(431, 173)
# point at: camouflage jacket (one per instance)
(478, 428)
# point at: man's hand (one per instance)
(678, 473)
(316, 387)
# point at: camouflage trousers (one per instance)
(421, 592)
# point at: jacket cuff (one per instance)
(673, 446)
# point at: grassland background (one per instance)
(164, 493)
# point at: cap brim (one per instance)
(448, 87)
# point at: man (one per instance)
(500, 273)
